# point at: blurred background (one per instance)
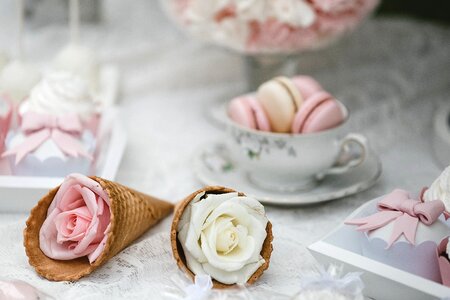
(392, 72)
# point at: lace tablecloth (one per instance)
(392, 73)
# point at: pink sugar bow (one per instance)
(404, 211)
(422, 198)
(38, 128)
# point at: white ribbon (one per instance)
(349, 285)
(200, 290)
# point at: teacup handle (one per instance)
(351, 138)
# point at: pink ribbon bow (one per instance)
(38, 128)
(404, 211)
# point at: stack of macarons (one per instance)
(288, 105)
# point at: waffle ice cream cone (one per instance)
(178, 251)
(132, 214)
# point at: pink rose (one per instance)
(77, 220)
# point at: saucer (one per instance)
(213, 166)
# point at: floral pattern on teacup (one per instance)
(217, 160)
(255, 146)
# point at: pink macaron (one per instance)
(319, 112)
(247, 111)
(306, 85)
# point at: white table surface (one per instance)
(392, 74)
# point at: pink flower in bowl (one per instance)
(261, 26)
(77, 220)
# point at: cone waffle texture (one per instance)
(177, 249)
(132, 214)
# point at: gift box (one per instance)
(344, 246)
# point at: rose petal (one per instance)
(231, 262)
(103, 221)
(95, 232)
(89, 198)
(89, 237)
(48, 233)
(99, 249)
(68, 183)
(194, 265)
(243, 233)
(258, 221)
(71, 199)
(83, 221)
(218, 227)
(92, 185)
(199, 212)
(202, 209)
(240, 276)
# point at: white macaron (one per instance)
(281, 100)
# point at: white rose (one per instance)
(222, 236)
(440, 189)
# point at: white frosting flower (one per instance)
(60, 93)
(293, 12)
(222, 236)
(440, 189)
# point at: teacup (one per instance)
(293, 162)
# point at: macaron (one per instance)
(248, 112)
(280, 99)
(320, 112)
(306, 85)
